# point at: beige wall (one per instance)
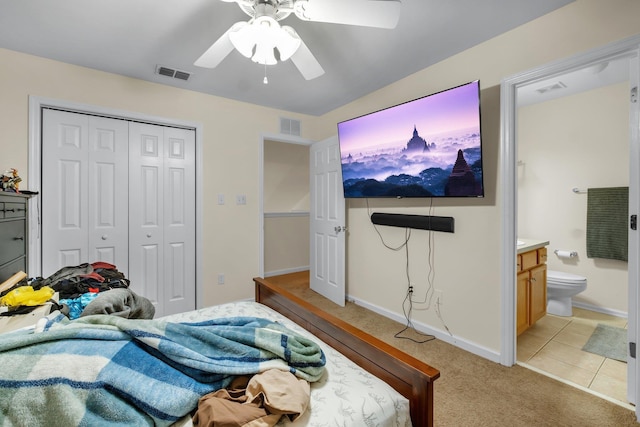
(286, 177)
(467, 263)
(286, 247)
(286, 207)
(230, 150)
(578, 141)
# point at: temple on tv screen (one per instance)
(429, 147)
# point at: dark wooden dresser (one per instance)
(14, 238)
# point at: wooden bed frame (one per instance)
(408, 375)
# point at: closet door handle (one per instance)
(18, 238)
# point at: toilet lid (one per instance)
(562, 277)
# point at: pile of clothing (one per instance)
(85, 289)
(106, 370)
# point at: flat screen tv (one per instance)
(427, 147)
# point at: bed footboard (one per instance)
(406, 374)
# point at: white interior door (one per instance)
(84, 179)
(327, 221)
(161, 216)
(633, 376)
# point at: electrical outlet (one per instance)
(438, 295)
(220, 279)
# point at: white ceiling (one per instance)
(132, 37)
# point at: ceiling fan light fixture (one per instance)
(264, 53)
(242, 37)
(258, 38)
(288, 42)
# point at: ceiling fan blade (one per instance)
(217, 52)
(366, 13)
(306, 63)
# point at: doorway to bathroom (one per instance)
(553, 152)
(566, 144)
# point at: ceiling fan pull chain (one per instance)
(265, 81)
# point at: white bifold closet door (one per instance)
(84, 190)
(124, 193)
(162, 215)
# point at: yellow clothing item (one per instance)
(25, 295)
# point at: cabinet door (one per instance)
(538, 293)
(522, 315)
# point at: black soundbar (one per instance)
(422, 222)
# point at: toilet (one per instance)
(560, 288)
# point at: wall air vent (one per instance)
(171, 72)
(289, 126)
(553, 87)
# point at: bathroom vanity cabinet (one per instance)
(531, 286)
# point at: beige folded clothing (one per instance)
(258, 401)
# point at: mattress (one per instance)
(346, 395)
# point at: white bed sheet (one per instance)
(346, 395)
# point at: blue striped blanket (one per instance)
(107, 370)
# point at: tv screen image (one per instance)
(427, 147)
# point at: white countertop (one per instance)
(530, 244)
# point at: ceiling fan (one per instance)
(262, 36)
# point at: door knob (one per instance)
(104, 237)
(338, 228)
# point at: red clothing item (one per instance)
(102, 264)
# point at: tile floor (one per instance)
(554, 345)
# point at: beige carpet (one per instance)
(473, 391)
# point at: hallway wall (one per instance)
(286, 207)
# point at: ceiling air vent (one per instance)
(553, 87)
(181, 75)
(289, 126)
(170, 72)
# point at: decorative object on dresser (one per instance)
(13, 234)
(11, 181)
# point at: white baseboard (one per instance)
(286, 271)
(466, 345)
(609, 311)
